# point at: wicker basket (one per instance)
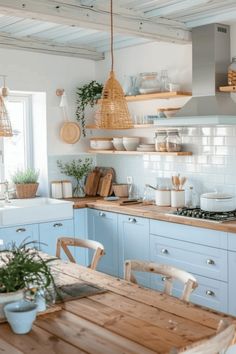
(120, 190)
(27, 190)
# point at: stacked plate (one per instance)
(146, 147)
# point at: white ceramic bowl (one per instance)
(101, 143)
(131, 143)
(118, 143)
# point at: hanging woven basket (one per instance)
(5, 124)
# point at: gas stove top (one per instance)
(206, 215)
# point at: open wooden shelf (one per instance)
(227, 88)
(135, 126)
(115, 152)
(157, 95)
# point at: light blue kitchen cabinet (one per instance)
(50, 231)
(232, 282)
(80, 227)
(102, 227)
(19, 234)
(133, 243)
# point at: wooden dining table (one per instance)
(121, 318)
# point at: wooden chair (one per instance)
(169, 274)
(64, 242)
(219, 343)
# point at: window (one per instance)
(17, 150)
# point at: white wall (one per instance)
(34, 72)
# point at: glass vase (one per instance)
(78, 190)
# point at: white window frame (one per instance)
(26, 99)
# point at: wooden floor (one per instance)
(124, 319)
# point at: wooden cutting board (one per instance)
(92, 182)
(106, 185)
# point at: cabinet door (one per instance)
(102, 227)
(49, 233)
(232, 283)
(134, 243)
(80, 226)
(19, 234)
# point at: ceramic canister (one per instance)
(66, 189)
(162, 197)
(56, 189)
(177, 198)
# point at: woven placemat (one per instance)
(77, 291)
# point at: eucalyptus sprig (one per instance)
(76, 168)
(86, 95)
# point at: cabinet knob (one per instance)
(164, 251)
(58, 224)
(210, 261)
(163, 278)
(133, 220)
(21, 229)
(102, 214)
(210, 293)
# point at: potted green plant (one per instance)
(86, 95)
(26, 183)
(22, 268)
(78, 169)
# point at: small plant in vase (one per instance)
(86, 95)
(78, 169)
(26, 183)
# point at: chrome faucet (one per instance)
(6, 192)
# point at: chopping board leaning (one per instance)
(91, 185)
(106, 185)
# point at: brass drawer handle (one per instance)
(102, 214)
(58, 224)
(133, 220)
(164, 251)
(21, 229)
(210, 261)
(210, 293)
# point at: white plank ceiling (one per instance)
(81, 27)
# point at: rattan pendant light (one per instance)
(113, 111)
(5, 123)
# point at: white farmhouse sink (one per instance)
(27, 211)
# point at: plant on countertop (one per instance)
(25, 176)
(86, 95)
(78, 169)
(26, 183)
(22, 267)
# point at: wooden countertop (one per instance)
(151, 212)
(125, 319)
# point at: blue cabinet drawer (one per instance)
(49, 232)
(19, 233)
(210, 293)
(202, 260)
(187, 233)
(134, 243)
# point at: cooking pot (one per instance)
(217, 202)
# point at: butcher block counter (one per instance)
(151, 211)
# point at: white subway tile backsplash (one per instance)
(224, 150)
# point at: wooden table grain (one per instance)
(124, 319)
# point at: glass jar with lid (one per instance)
(173, 141)
(160, 140)
(148, 83)
(232, 72)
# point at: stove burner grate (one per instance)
(206, 215)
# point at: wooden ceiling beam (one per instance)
(72, 13)
(48, 47)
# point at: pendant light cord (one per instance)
(112, 55)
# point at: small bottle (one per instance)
(232, 72)
(189, 197)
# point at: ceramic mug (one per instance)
(21, 315)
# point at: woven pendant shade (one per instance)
(113, 110)
(5, 123)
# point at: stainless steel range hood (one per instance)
(211, 58)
